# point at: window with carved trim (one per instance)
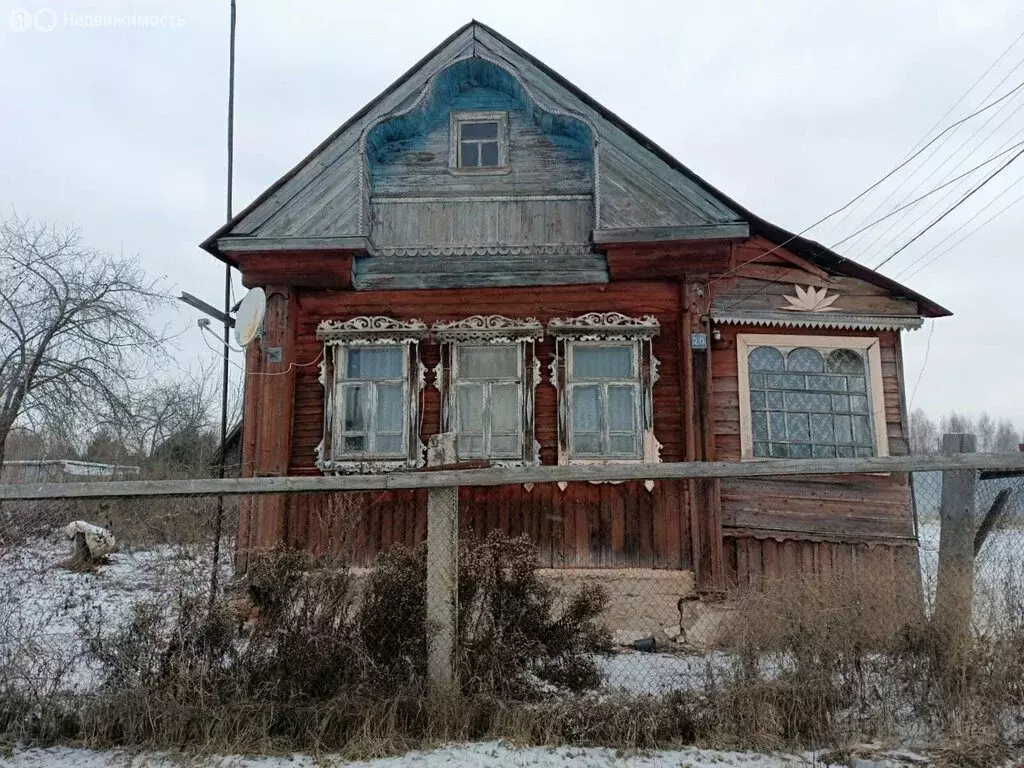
(488, 373)
(372, 378)
(605, 372)
(811, 397)
(479, 142)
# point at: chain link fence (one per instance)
(835, 639)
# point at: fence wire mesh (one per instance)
(804, 638)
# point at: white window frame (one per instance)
(483, 331)
(456, 121)
(608, 329)
(342, 384)
(487, 383)
(633, 381)
(339, 338)
(868, 346)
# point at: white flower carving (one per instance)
(810, 299)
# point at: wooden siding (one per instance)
(584, 525)
(431, 221)
(862, 507)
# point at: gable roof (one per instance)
(476, 39)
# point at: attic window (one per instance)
(479, 142)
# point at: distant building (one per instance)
(63, 471)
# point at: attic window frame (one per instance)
(456, 121)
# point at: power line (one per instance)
(924, 363)
(950, 130)
(866, 251)
(983, 224)
(946, 114)
(949, 210)
(874, 186)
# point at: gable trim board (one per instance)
(638, 160)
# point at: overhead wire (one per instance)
(938, 122)
(948, 134)
(949, 210)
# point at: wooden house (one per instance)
(485, 251)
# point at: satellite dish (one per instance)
(249, 318)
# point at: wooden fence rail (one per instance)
(447, 478)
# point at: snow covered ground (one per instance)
(478, 755)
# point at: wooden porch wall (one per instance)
(586, 525)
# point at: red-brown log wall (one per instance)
(585, 525)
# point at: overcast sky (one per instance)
(791, 108)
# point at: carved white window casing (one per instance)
(810, 397)
(605, 371)
(487, 378)
(372, 377)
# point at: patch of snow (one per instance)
(493, 754)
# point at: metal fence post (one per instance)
(955, 580)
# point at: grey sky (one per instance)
(791, 108)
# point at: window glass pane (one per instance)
(620, 409)
(505, 445)
(858, 403)
(586, 443)
(470, 154)
(845, 361)
(799, 451)
(802, 401)
(389, 444)
(585, 409)
(489, 153)
(760, 449)
(622, 445)
(757, 380)
(861, 430)
(757, 400)
(355, 444)
(778, 450)
(489, 362)
(786, 380)
(844, 433)
(357, 405)
(765, 359)
(505, 408)
(824, 451)
(777, 426)
(389, 408)
(804, 359)
(797, 427)
(857, 384)
(479, 130)
(822, 430)
(840, 403)
(775, 400)
(469, 446)
(845, 451)
(827, 383)
(375, 362)
(602, 362)
(760, 424)
(863, 453)
(471, 408)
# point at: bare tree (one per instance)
(924, 434)
(74, 328)
(986, 432)
(1007, 438)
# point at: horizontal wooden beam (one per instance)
(511, 476)
(207, 309)
(733, 231)
(254, 244)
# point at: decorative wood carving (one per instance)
(810, 299)
(492, 329)
(604, 325)
(514, 249)
(371, 329)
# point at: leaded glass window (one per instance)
(810, 403)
